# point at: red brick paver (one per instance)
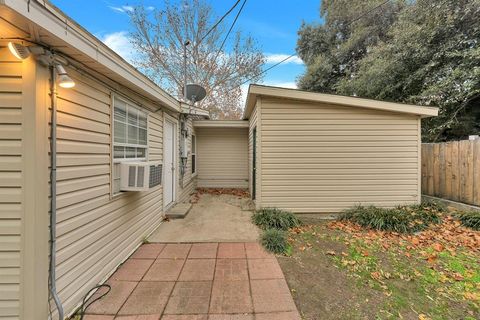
(185, 317)
(97, 317)
(148, 251)
(264, 269)
(230, 317)
(164, 270)
(271, 296)
(113, 301)
(292, 315)
(132, 270)
(175, 251)
(203, 281)
(231, 251)
(140, 317)
(231, 269)
(189, 298)
(198, 270)
(203, 251)
(148, 298)
(231, 297)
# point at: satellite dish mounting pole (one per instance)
(185, 44)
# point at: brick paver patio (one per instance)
(200, 281)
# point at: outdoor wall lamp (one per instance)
(22, 52)
(64, 80)
(19, 51)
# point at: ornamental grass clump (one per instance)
(470, 219)
(273, 218)
(401, 219)
(275, 241)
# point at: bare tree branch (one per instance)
(159, 36)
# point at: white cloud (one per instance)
(122, 9)
(118, 42)
(277, 57)
(150, 8)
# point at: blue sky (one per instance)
(273, 23)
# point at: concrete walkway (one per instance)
(201, 281)
(214, 218)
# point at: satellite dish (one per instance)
(195, 92)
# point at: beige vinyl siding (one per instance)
(11, 177)
(222, 157)
(325, 158)
(252, 126)
(95, 231)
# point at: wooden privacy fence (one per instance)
(451, 170)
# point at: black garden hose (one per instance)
(85, 305)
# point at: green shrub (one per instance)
(273, 218)
(402, 219)
(470, 219)
(275, 240)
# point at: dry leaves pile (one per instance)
(450, 251)
(448, 235)
(243, 193)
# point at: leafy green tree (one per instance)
(332, 50)
(428, 53)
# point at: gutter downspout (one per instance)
(53, 192)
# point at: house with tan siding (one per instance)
(321, 153)
(300, 151)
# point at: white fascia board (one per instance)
(48, 18)
(299, 95)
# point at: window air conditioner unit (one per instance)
(140, 176)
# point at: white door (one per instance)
(169, 163)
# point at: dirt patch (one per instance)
(322, 290)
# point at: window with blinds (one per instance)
(129, 136)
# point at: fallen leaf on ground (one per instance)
(457, 276)
(471, 296)
(376, 275)
(438, 247)
(432, 259)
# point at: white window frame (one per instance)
(115, 161)
(194, 153)
(129, 105)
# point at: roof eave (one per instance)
(221, 124)
(293, 94)
(250, 102)
(54, 21)
(192, 110)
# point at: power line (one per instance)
(218, 22)
(292, 55)
(226, 37)
(368, 12)
(268, 69)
